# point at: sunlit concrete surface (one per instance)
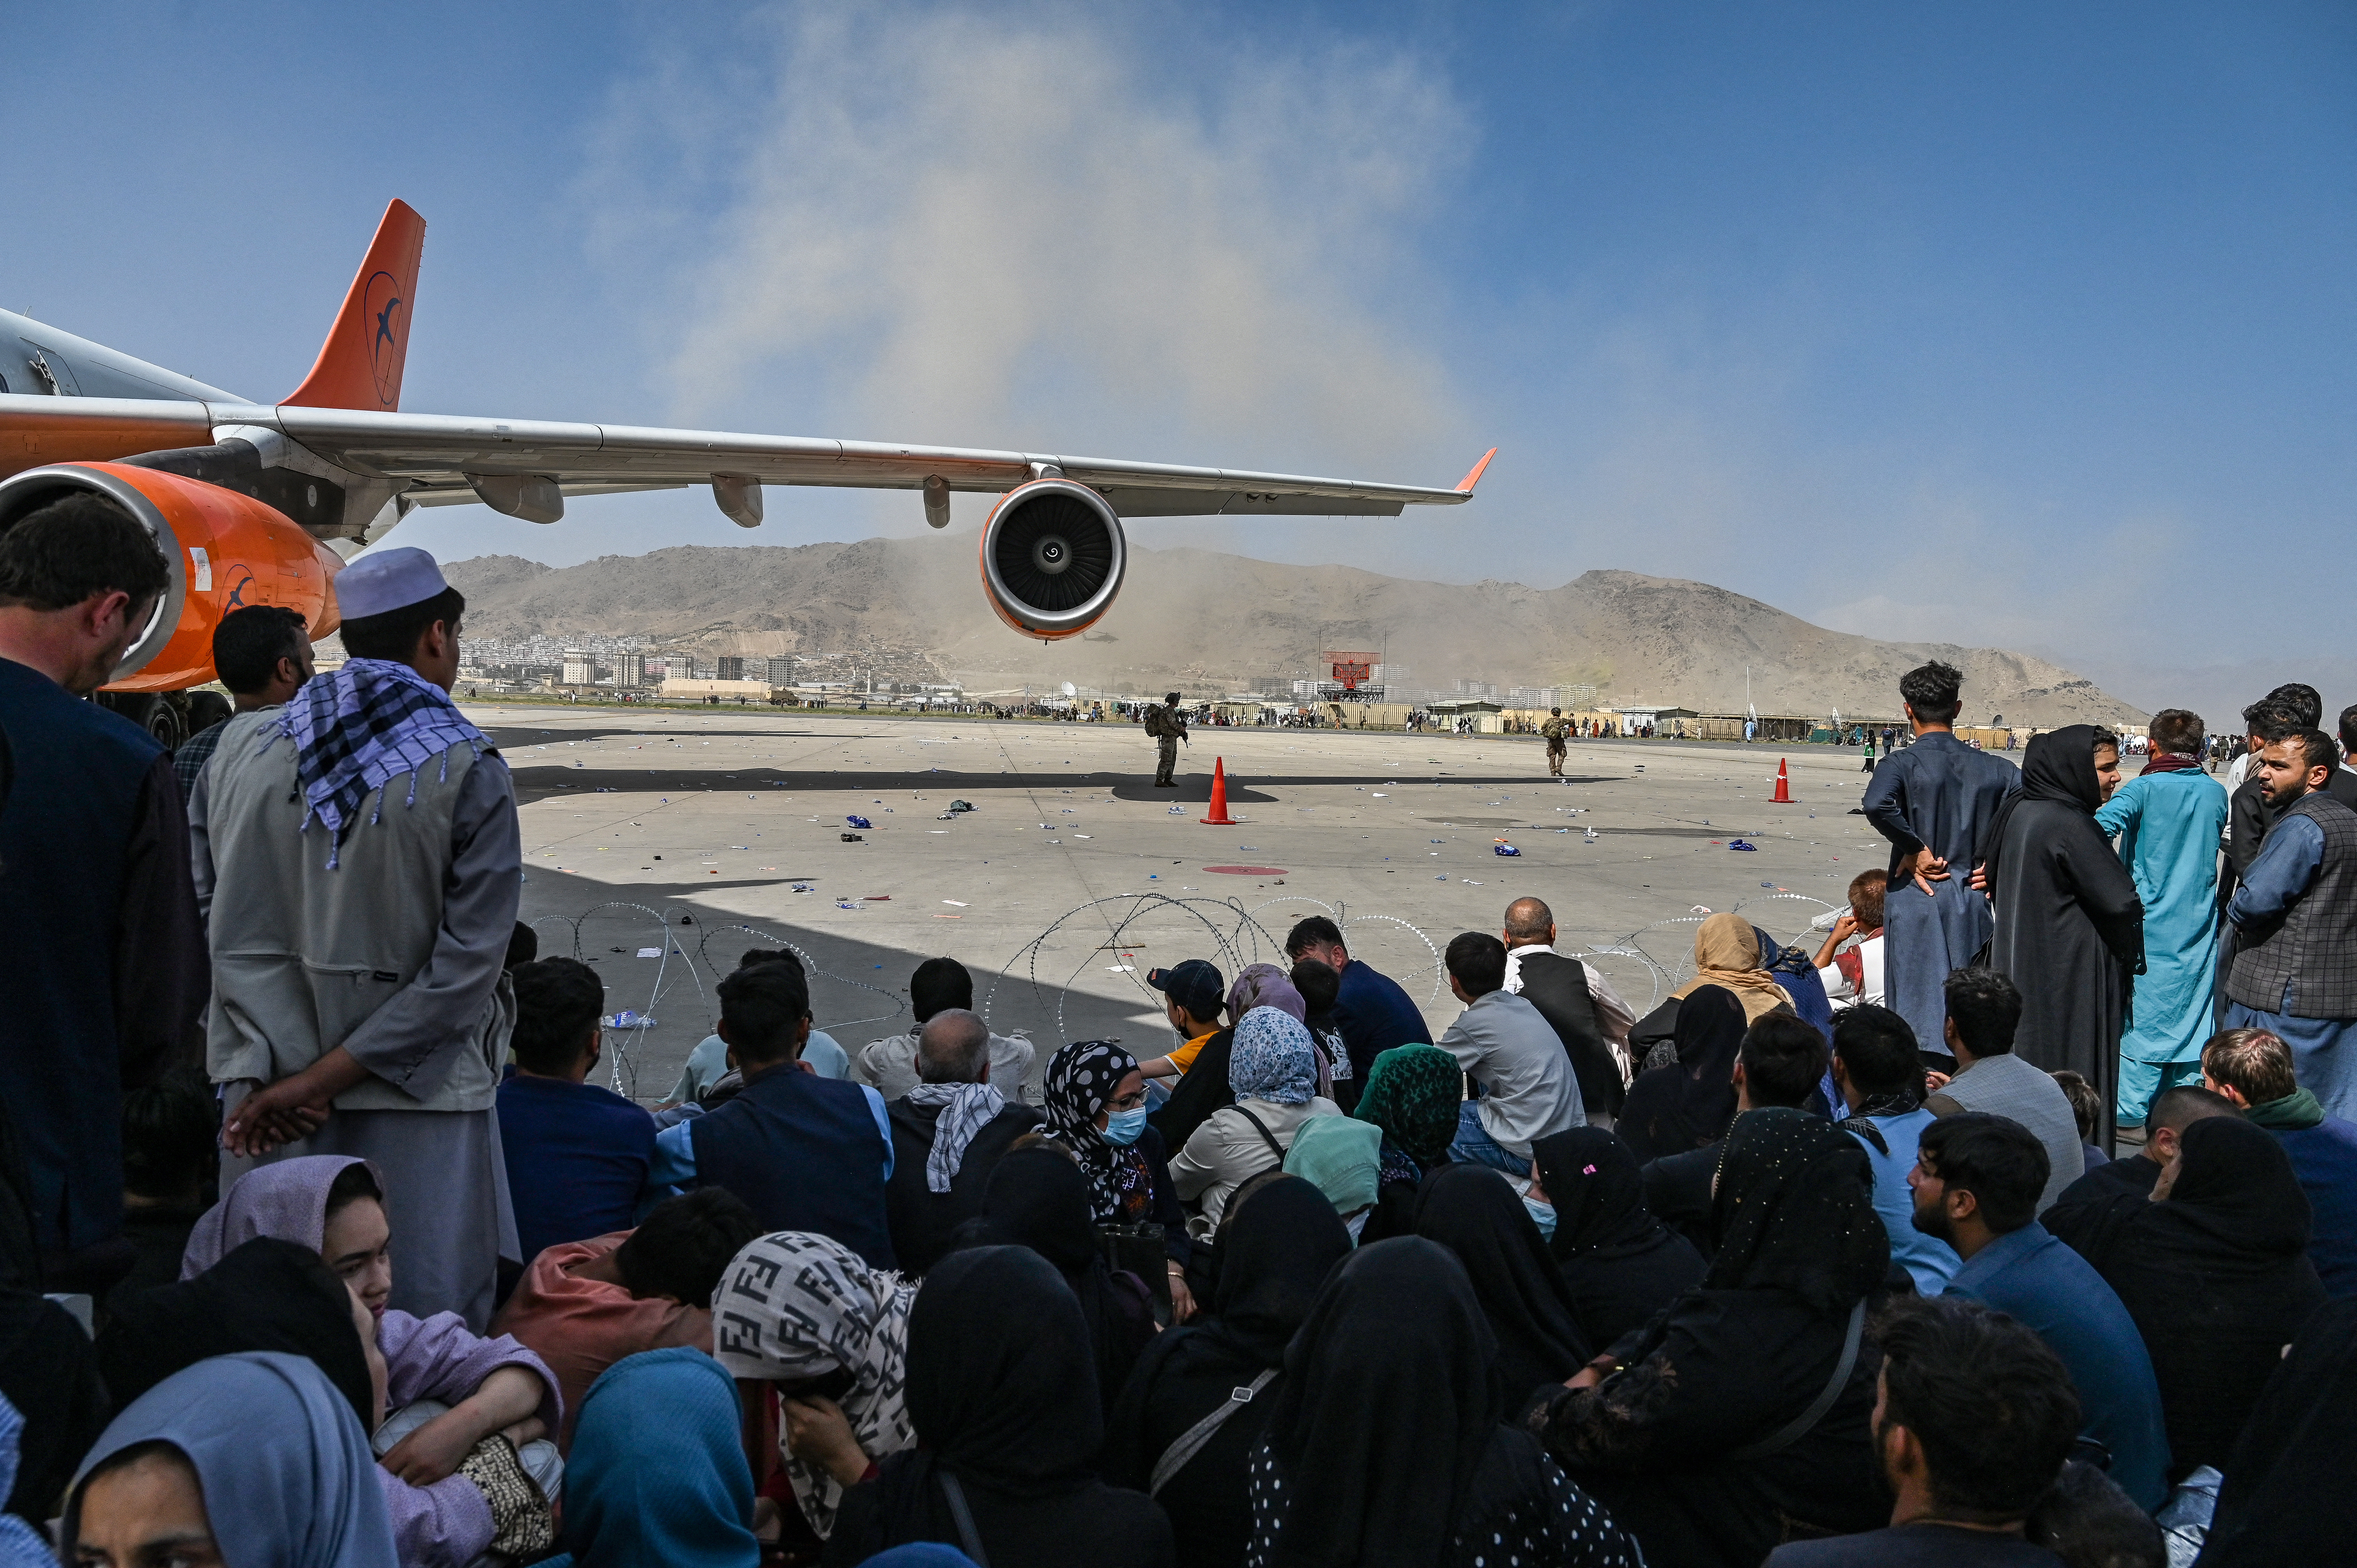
(686, 837)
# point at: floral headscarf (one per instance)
(1272, 1058)
(795, 1305)
(1413, 1094)
(1079, 1081)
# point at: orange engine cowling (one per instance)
(1052, 557)
(224, 551)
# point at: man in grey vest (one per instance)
(2295, 971)
(1167, 729)
(357, 853)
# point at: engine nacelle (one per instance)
(1052, 556)
(225, 551)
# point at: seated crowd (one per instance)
(1737, 1282)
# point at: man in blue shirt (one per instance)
(1976, 1181)
(577, 1156)
(1881, 1080)
(1372, 1011)
(806, 1153)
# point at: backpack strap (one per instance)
(1191, 1441)
(1262, 1128)
(963, 1517)
(1800, 1425)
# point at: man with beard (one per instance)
(1975, 1186)
(2295, 973)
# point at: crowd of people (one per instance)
(2015, 1223)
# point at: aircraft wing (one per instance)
(437, 453)
(440, 460)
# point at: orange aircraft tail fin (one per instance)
(360, 364)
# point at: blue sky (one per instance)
(2012, 324)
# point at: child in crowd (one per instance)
(584, 1305)
(577, 1156)
(170, 1154)
(711, 1076)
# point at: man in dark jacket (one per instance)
(2295, 973)
(1561, 988)
(805, 1152)
(947, 1135)
(97, 914)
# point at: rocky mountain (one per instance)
(1208, 622)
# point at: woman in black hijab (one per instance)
(1003, 1392)
(1278, 1243)
(1039, 1198)
(1621, 1263)
(1387, 1447)
(2070, 927)
(1687, 1103)
(1470, 1211)
(1745, 1407)
(2288, 1500)
(265, 1295)
(2214, 1267)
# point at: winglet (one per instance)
(1465, 486)
(360, 364)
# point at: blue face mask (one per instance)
(1122, 1128)
(1541, 1214)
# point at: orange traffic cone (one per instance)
(1784, 785)
(1219, 817)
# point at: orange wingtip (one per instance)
(1465, 486)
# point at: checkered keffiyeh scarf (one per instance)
(966, 1109)
(358, 728)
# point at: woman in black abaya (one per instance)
(2214, 1267)
(1039, 1198)
(1698, 1436)
(1687, 1103)
(1470, 1211)
(2070, 927)
(1620, 1264)
(1003, 1391)
(1278, 1243)
(1386, 1447)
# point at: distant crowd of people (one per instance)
(2015, 1223)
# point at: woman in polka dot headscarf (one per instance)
(1086, 1086)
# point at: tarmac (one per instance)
(660, 845)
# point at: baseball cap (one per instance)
(386, 580)
(1195, 985)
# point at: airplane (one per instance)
(255, 503)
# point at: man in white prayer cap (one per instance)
(357, 858)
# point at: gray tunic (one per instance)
(447, 1192)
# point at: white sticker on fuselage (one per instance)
(204, 568)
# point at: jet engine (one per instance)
(1052, 557)
(224, 551)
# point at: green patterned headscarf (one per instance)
(1413, 1093)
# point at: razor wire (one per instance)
(1235, 933)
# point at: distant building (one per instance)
(630, 669)
(732, 668)
(579, 669)
(781, 671)
(740, 690)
